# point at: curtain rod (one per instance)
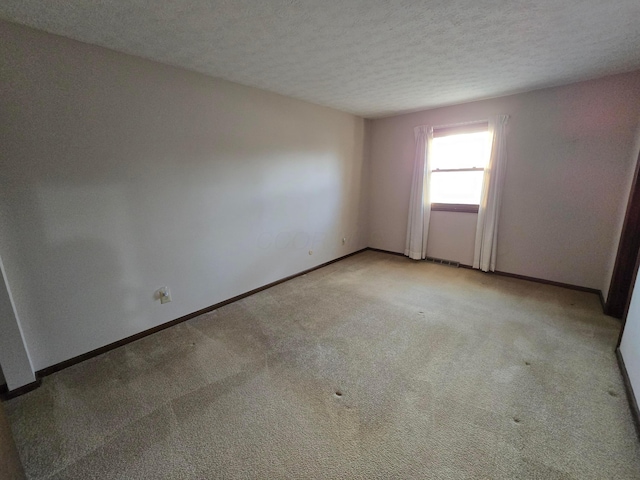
(460, 124)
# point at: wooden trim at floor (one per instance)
(93, 353)
(385, 251)
(633, 403)
(603, 302)
(461, 265)
(549, 282)
(16, 392)
(522, 277)
(98, 351)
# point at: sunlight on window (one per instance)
(456, 187)
(457, 167)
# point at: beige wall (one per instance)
(452, 236)
(571, 150)
(120, 176)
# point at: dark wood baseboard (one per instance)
(631, 398)
(461, 265)
(385, 251)
(523, 277)
(595, 291)
(550, 282)
(16, 392)
(93, 353)
(98, 351)
(603, 302)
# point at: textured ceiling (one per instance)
(368, 57)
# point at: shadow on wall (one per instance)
(123, 176)
(72, 271)
(91, 273)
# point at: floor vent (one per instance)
(440, 261)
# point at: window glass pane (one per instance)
(456, 187)
(460, 151)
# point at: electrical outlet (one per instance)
(164, 294)
(344, 240)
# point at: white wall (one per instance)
(452, 236)
(630, 343)
(570, 152)
(120, 175)
(13, 351)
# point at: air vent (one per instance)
(441, 261)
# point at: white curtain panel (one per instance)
(420, 205)
(484, 256)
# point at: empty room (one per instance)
(329, 240)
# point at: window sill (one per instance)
(454, 207)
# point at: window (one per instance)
(459, 156)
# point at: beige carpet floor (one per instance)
(374, 367)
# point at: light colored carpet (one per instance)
(374, 367)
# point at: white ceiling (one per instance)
(368, 57)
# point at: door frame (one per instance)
(626, 268)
